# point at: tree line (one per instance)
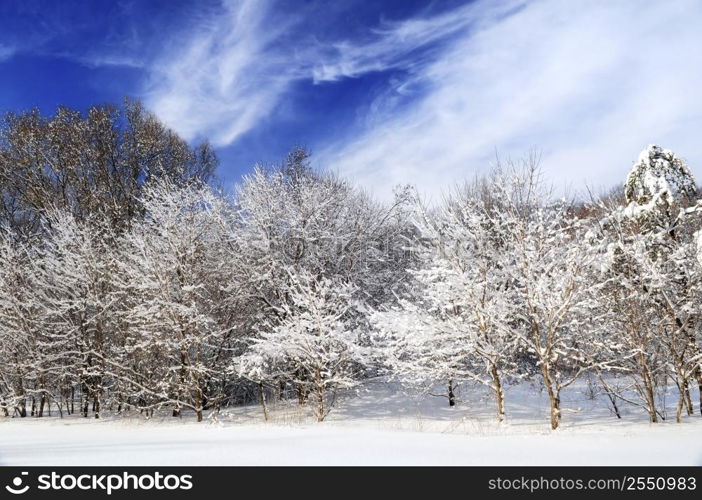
(130, 282)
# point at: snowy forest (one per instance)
(131, 282)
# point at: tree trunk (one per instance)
(610, 395)
(555, 411)
(198, 399)
(553, 397)
(499, 392)
(96, 393)
(679, 407)
(649, 393)
(42, 403)
(650, 401)
(263, 401)
(688, 398)
(321, 409)
(198, 406)
(22, 408)
(181, 386)
(451, 395)
(321, 403)
(85, 399)
(301, 394)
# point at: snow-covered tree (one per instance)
(671, 252)
(650, 287)
(294, 220)
(677, 281)
(659, 182)
(186, 299)
(423, 344)
(172, 277)
(455, 325)
(631, 330)
(74, 275)
(23, 371)
(319, 222)
(314, 345)
(550, 273)
(89, 163)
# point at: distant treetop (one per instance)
(95, 162)
(659, 177)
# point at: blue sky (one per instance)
(384, 92)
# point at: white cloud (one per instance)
(6, 52)
(231, 71)
(101, 60)
(588, 83)
(391, 45)
(223, 79)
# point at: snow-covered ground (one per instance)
(382, 425)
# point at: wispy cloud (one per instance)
(394, 43)
(6, 52)
(232, 70)
(589, 83)
(225, 78)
